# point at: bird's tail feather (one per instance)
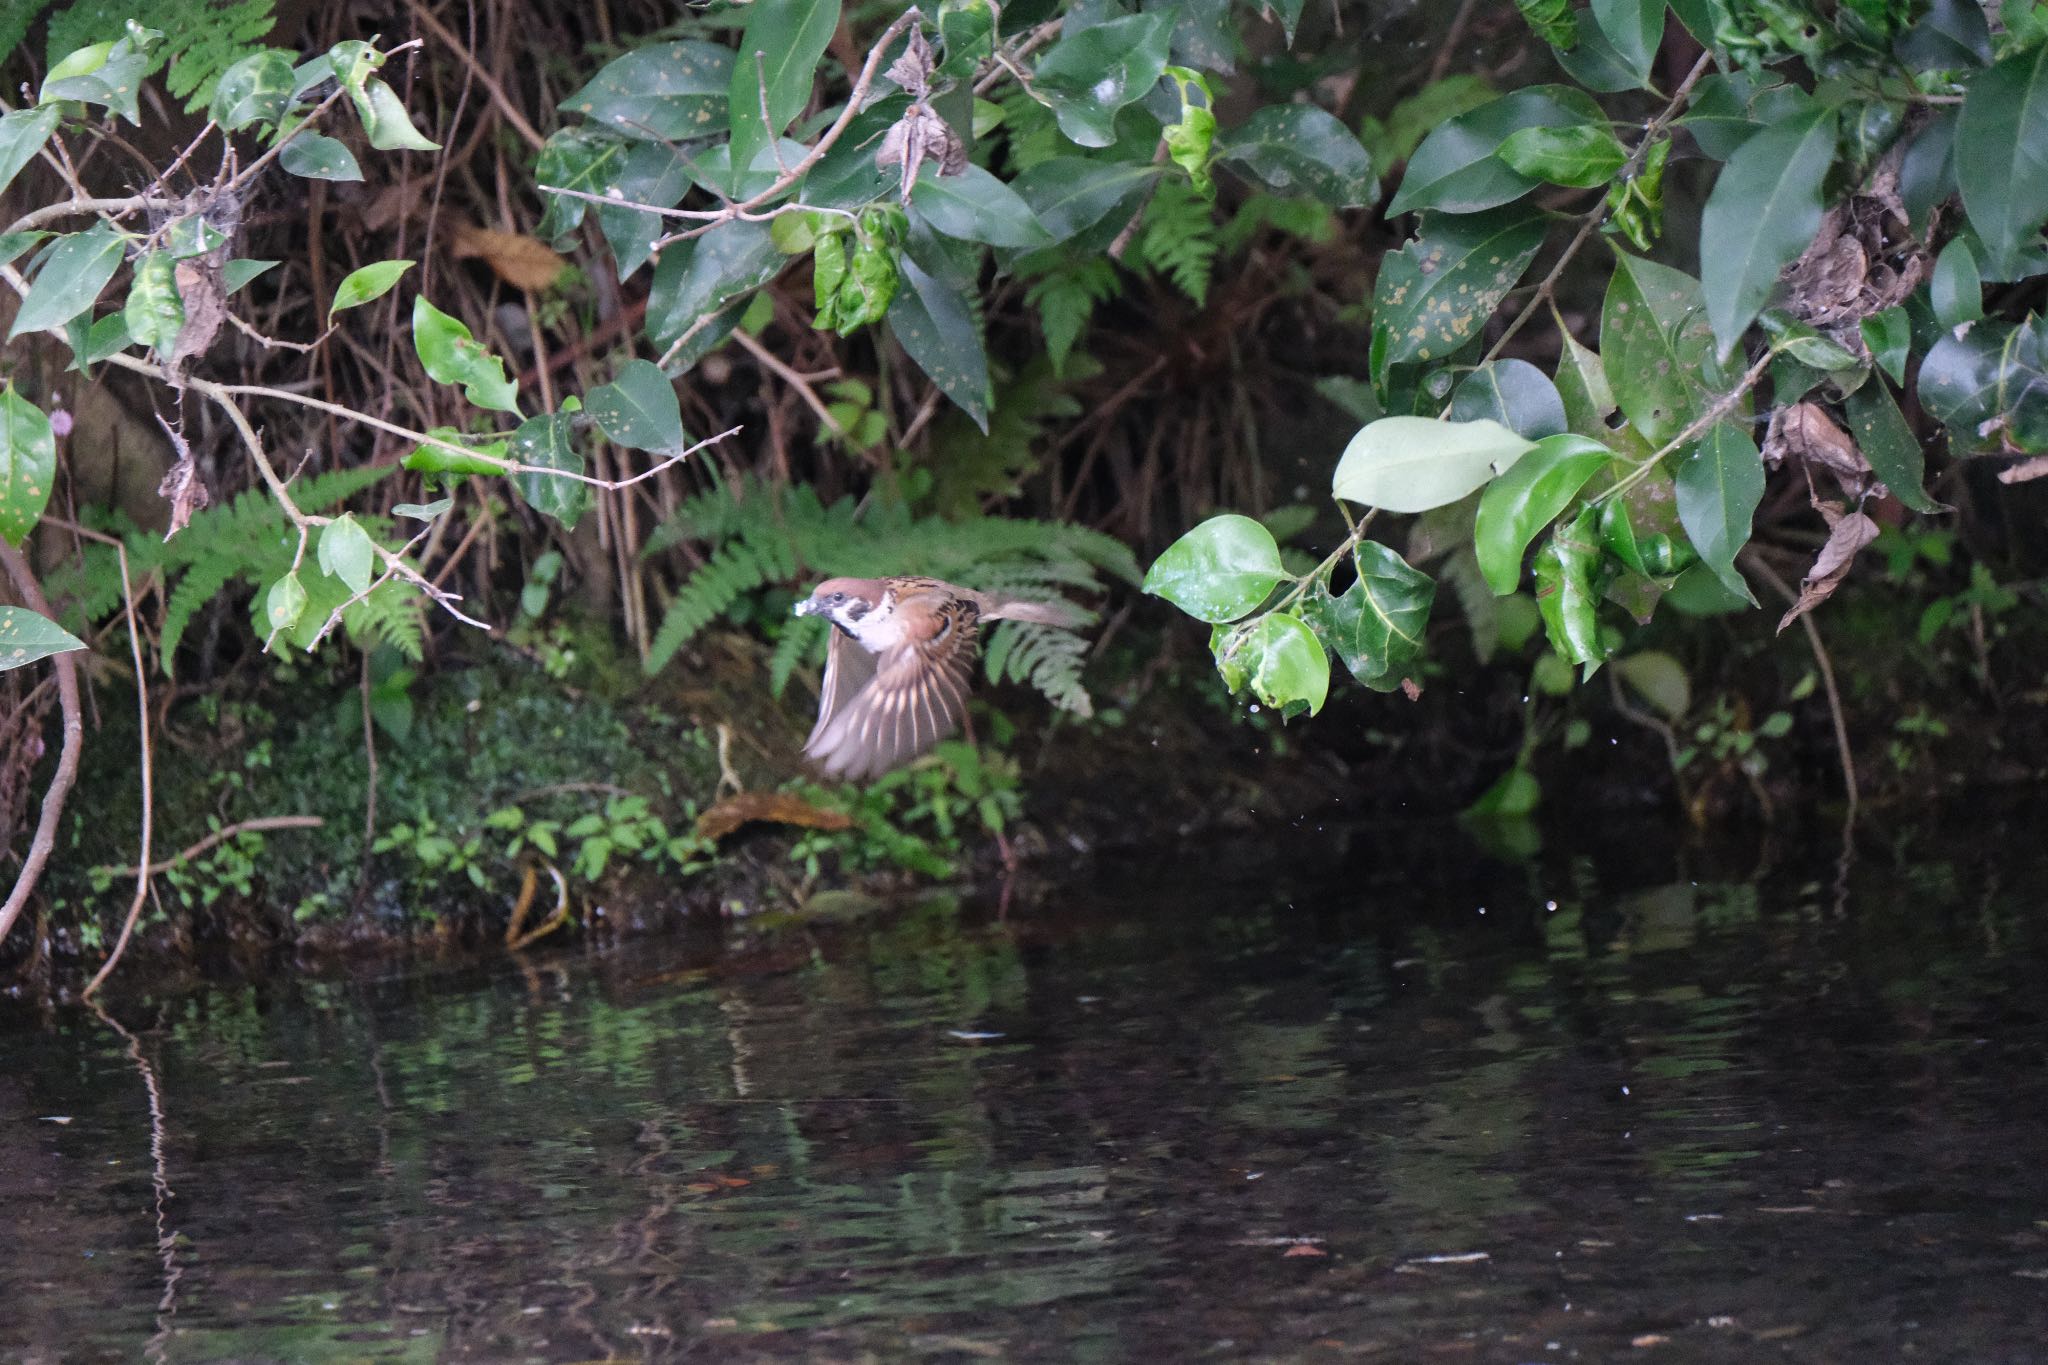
(1063, 614)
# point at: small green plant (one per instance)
(917, 818)
(1724, 738)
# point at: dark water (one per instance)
(1446, 1111)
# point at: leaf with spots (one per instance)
(1437, 293)
(26, 637)
(1657, 346)
(937, 328)
(664, 93)
(28, 464)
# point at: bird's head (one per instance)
(842, 601)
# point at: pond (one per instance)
(1373, 1097)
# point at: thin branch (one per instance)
(774, 365)
(1827, 675)
(507, 108)
(148, 778)
(219, 836)
(45, 838)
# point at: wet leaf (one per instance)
(1527, 498)
(1096, 69)
(28, 465)
(1437, 293)
(1720, 482)
(1288, 666)
(1301, 149)
(26, 637)
(1411, 464)
(639, 409)
(73, 273)
(1219, 571)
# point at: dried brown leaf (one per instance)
(206, 307)
(920, 136)
(1805, 432)
(912, 71)
(1848, 532)
(782, 808)
(186, 492)
(520, 261)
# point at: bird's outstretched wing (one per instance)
(912, 695)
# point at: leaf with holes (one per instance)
(1375, 626)
(452, 356)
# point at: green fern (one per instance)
(1066, 300)
(1298, 216)
(1179, 239)
(763, 536)
(247, 539)
(202, 38)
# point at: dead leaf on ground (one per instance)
(782, 808)
(1848, 532)
(520, 261)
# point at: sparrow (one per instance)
(897, 669)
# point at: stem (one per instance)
(148, 780)
(45, 840)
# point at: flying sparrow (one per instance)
(897, 670)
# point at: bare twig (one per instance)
(221, 836)
(507, 107)
(1827, 674)
(45, 838)
(148, 775)
(775, 366)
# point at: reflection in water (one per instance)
(1499, 1115)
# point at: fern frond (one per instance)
(202, 38)
(392, 614)
(733, 569)
(1298, 216)
(198, 585)
(1066, 300)
(802, 642)
(1179, 239)
(1046, 657)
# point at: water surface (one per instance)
(1225, 1111)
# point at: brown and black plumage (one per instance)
(899, 666)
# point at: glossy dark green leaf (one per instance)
(1952, 36)
(1376, 626)
(1764, 210)
(1568, 592)
(639, 409)
(548, 441)
(1301, 149)
(1070, 194)
(706, 277)
(1635, 29)
(1219, 571)
(73, 273)
(654, 173)
(26, 637)
(976, 207)
(585, 159)
(22, 134)
(2001, 154)
(1889, 338)
(779, 53)
(1656, 346)
(666, 92)
(1889, 444)
(1720, 482)
(1097, 69)
(1967, 381)
(1582, 157)
(28, 465)
(1927, 172)
(94, 339)
(1956, 289)
(451, 355)
(1513, 393)
(1436, 293)
(1718, 115)
(1413, 464)
(237, 273)
(1456, 169)
(314, 156)
(1520, 503)
(256, 89)
(937, 329)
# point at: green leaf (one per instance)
(547, 441)
(1956, 289)
(1528, 497)
(26, 637)
(1219, 571)
(1514, 393)
(1889, 338)
(1581, 156)
(22, 135)
(154, 313)
(1567, 593)
(1657, 349)
(28, 465)
(1411, 464)
(1301, 149)
(1763, 212)
(1455, 168)
(1974, 383)
(1718, 115)
(666, 92)
(1952, 36)
(73, 273)
(1583, 389)
(2001, 153)
(1635, 29)
(781, 46)
(1720, 483)
(388, 125)
(257, 89)
(1287, 664)
(654, 173)
(1070, 194)
(588, 160)
(1436, 293)
(1889, 444)
(936, 327)
(423, 511)
(314, 156)
(976, 207)
(706, 277)
(346, 552)
(451, 356)
(284, 604)
(93, 341)
(108, 74)
(1927, 172)
(1658, 679)
(639, 409)
(1096, 69)
(370, 282)
(237, 273)
(1375, 626)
